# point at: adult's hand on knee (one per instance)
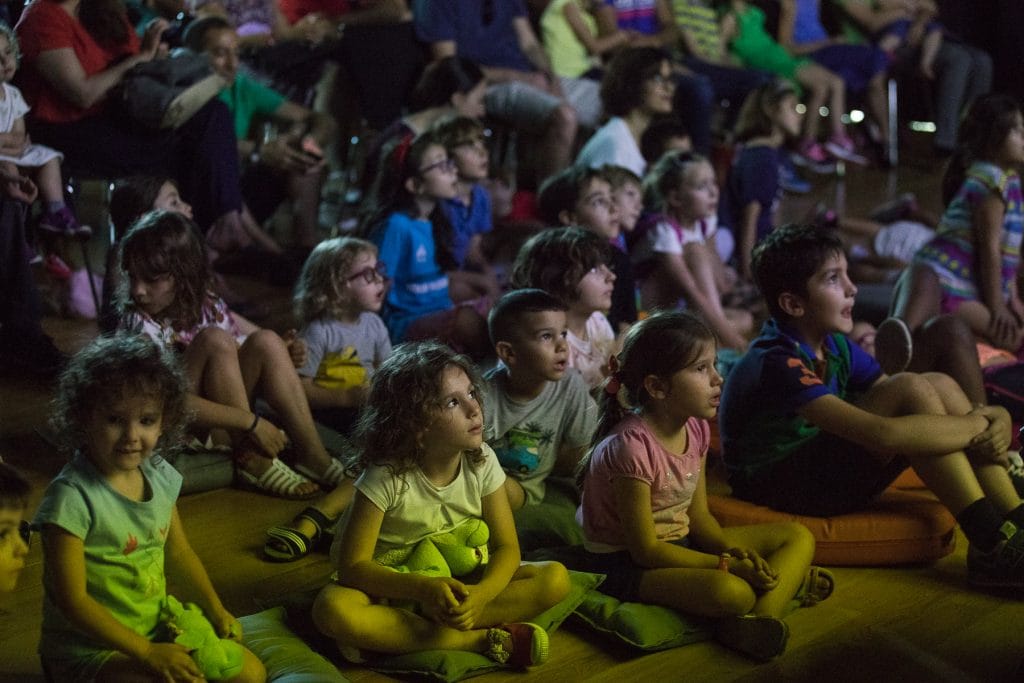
(991, 444)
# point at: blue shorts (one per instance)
(623, 574)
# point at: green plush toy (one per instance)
(453, 553)
(218, 658)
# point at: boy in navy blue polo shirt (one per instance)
(811, 425)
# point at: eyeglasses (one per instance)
(446, 165)
(370, 273)
(664, 81)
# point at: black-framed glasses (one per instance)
(370, 273)
(446, 165)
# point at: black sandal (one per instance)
(286, 544)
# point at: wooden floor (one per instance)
(906, 624)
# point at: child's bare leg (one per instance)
(700, 260)
(878, 103)
(979, 318)
(211, 364)
(816, 80)
(929, 51)
(123, 668)
(331, 505)
(917, 296)
(534, 587)
(304, 192)
(859, 227)
(352, 619)
(836, 103)
(703, 592)
(946, 344)
(788, 548)
(50, 182)
(267, 367)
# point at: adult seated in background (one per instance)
(290, 165)
(652, 24)
(452, 86)
(498, 37)
(24, 347)
(75, 52)
(962, 72)
(637, 86)
(377, 54)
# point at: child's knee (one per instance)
(731, 595)
(214, 340)
(553, 583)
(329, 613)
(253, 670)
(266, 340)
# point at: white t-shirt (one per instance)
(614, 145)
(590, 355)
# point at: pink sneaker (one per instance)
(841, 147)
(812, 156)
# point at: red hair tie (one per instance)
(614, 382)
(401, 152)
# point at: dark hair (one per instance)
(194, 37)
(617, 176)
(14, 488)
(389, 195)
(667, 175)
(622, 88)
(660, 345)
(556, 259)
(561, 191)
(453, 131)
(167, 243)
(654, 139)
(402, 403)
(119, 367)
(106, 21)
(787, 257)
(132, 197)
(441, 80)
(504, 320)
(757, 115)
(319, 289)
(982, 132)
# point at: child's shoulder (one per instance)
(993, 176)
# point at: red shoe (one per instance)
(518, 646)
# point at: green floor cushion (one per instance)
(552, 522)
(645, 627)
(287, 657)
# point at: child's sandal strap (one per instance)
(318, 519)
(286, 545)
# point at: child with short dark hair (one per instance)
(628, 195)
(110, 522)
(15, 532)
(427, 471)
(571, 264)
(811, 425)
(540, 415)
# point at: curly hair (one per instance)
(787, 257)
(166, 243)
(622, 89)
(556, 260)
(561, 191)
(403, 402)
(120, 367)
(660, 345)
(320, 289)
(981, 134)
(14, 488)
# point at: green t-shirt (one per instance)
(246, 98)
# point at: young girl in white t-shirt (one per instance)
(426, 472)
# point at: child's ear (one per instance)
(655, 386)
(791, 304)
(566, 217)
(506, 354)
(672, 199)
(413, 185)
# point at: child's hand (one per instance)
(1004, 328)
(20, 188)
(753, 569)
(991, 444)
(227, 626)
(172, 662)
(297, 349)
(466, 614)
(439, 595)
(268, 437)
(150, 46)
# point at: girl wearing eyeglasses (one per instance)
(14, 531)
(407, 223)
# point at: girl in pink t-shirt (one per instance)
(644, 508)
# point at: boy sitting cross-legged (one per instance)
(811, 425)
(540, 417)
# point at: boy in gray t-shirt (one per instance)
(538, 416)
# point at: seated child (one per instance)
(470, 210)
(540, 416)
(15, 532)
(811, 425)
(583, 196)
(339, 292)
(427, 470)
(675, 255)
(110, 522)
(644, 506)
(571, 264)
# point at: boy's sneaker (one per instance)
(813, 157)
(518, 645)
(1001, 567)
(788, 178)
(63, 222)
(842, 147)
(894, 345)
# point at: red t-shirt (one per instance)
(293, 10)
(45, 25)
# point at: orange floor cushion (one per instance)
(900, 527)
